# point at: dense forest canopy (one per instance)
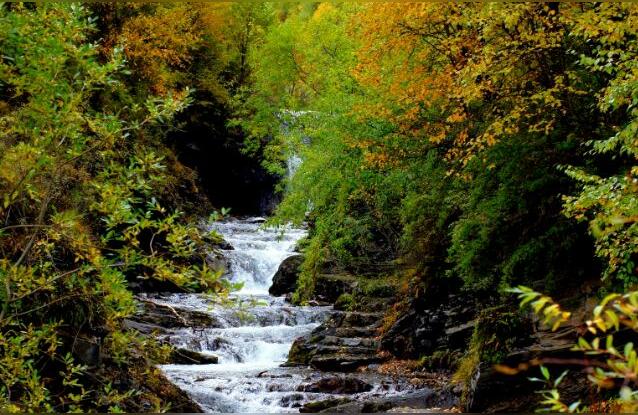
(462, 148)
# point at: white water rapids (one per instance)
(251, 341)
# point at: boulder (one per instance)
(218, 262)
(337, 385)
(300, 352)
(292, 401)
(485, 391)
(87, 350)
(141, 284)
(225, 245)
(190, 357)
(143, 328)
(285, 279)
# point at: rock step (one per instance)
(351, 341)
(343, 343)
(343, 363)
(359, 332)
(336, 385)
(323, 349)
(359, 319)
(419, 401)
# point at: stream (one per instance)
(252, 340)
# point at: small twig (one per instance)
(23, 226)
(150, 244)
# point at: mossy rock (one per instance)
(378, 287)
(300, 352)
(441, 360)
(345, 302)
(498, 331)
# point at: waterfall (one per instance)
(292, 165)
(257, 252)
(252, 339)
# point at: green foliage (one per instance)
(392, 168)
(346, 302)
(464, 141)
(618, 372)
(543, 305)
(608, 202)
(83, 179)
(551, 396)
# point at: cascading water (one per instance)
(251, 340)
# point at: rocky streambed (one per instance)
(258, 353)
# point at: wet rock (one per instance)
(337, 385)
(276, 387)
(300, 352)
(457, 335)
(485, 391)
(318, 406)
(152, 315)
(218, 262)
(225, 245)
(285, 279)
(190, 357)
(267, 374)
(180, 401)
(419, 400)
(343, 362)
(141, 284)
(315, 303)
(292, 400)
(415, 334)
(144, 328)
